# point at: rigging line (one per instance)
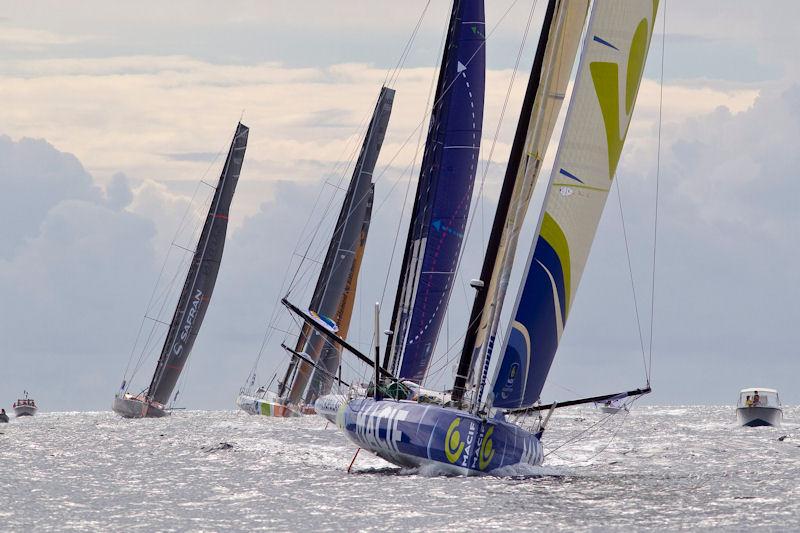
(166, 296)
(391, 76)
(395, 73)
(410, 177)
(158, 280)
(496, 136)
(630, 272)
(573, 438)
(276, 306)
(444, 92)
(658, 180)
(164, 266)
(604, 448)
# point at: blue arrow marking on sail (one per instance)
(569, 175)
(439, 226)
(603, 41)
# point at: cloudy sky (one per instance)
(112, 114)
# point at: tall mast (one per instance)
(464, 370)
(201, 278)
(334, 292)
(558, 47)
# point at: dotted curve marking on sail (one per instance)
(444, 232)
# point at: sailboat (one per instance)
(194, 298)
(441, 206)
(314, 360)
(483, 427)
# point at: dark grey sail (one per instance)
(322, 379)
(334, 292)
(200, 280)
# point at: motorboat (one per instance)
(25, 406)
(759, 406)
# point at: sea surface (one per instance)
(658, 468)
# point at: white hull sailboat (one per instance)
(314, 362)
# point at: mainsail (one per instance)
(202, 276)
(334, 293)
(609, 73)
(443, 196)
(552, 66)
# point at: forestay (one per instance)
(609, 74)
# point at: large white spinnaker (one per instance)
(609, 74)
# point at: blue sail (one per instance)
(444, 193)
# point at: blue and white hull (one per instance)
(411, 434)
(329, 405)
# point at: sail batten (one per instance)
(609, 73)
(443, 196)
(201, 278)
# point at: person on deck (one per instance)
(748, 402)
(756, 399)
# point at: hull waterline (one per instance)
(410, 434)
(759, 416)
(24, 410)
(131, 407)
(265, 407)
(329, 406)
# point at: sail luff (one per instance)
(443, 195)
(201, 277)
(339, 271)
(464, 368)
(393, 347)
(609, 74)
(322, 379)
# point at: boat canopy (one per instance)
(766, 398)
(759, 389)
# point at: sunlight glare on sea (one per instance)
(656, 468)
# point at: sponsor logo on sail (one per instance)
(191, 315)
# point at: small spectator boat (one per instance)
(759, 407)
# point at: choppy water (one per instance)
(666, 468)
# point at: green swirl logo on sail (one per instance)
(453, 446)
(487, 451)
(605, 76)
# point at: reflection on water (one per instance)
(657, 468)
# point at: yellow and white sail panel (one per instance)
(609, 74)
(558, 47)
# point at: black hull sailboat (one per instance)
(195, 296)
